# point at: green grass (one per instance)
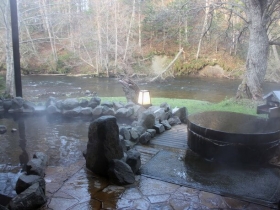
(195, 106)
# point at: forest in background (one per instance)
(111, 37)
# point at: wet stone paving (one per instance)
(76, 188)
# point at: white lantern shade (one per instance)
(144, 97)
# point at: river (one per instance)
(38, 88)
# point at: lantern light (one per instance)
(144, 98)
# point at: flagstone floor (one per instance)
(76, 188)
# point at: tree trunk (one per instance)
(257, 55)
(10, 81)
(116, 36)
(129, 30)
(49, 28)
(204, 28)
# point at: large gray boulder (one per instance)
(140, 129)
(161, 114)
(118, 105)
(70, 103)
(97, 111)
(72, 112)
(28, 106)
(17, 103)
(32, 198)
(103, 144)
(182, 113)
(94, 102)
(134, 136)
(107, 111)
(7, 104)
(175, 120)
(107, 103)
(124, 131)
(52, 109)
(147, 120)
(165, 106)
(137, 111)
(86, 111)
(145, 138)
(83, 103)
(124, 112)
(120, 173)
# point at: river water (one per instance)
(38, 88)
(63, 140)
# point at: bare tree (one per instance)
(258, 13)
(10, 82)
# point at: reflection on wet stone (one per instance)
(158, 198)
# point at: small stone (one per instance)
(14, 130)
(134, 136)
(3, 129)
(125, 133)
(166, 125)
(175, 120)
(152, 132)
(120, 173)
(25, 181)
(159, 128)
(145, 138)
(134, 160)
(43, 157)
(37, 165)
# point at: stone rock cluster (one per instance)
(30, 186)
(93, 107)
(110, 151)
(16, 105)
(105, 155)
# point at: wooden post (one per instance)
(15, 41)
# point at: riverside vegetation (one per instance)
(245, 106)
